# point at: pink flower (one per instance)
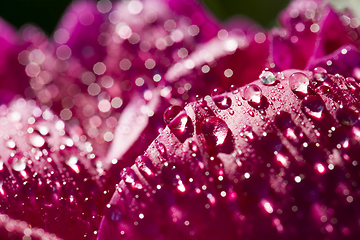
(275, 158)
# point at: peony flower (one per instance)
(275, 158)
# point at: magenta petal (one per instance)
(311, 30)
(334, 32)
(81, 30)
(266, 169)
(293, 45)
(234, 60)
(142, 40)
(49, 175)
(344, 61)
(199, 16)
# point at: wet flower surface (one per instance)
(152, 120)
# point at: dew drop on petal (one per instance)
(314, 106)
(320, 74)
(181, 126)
(252, 93)
(299, 82)
(267, 77)
(215, 131)
(171, 113)
(145, 165)
(221, 101)
(161, 148)
(347, 116)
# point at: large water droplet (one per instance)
(352, 84)
(347, 116)
(215, 130)
(267, 78)
(217, 134)
(252, 93)
(325, 90)
(128, 175)
(247, 133)
(181, 126)
(320, 74)
(299, 82)
(171, 113)
(145, 165)
(234, 89)
(161, 148)
(314, 106)
(222, 102)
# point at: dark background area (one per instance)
(46, 13)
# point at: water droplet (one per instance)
(314, 106)
(222, 102)
(216, 133)
(215, 130)
(234, 89)
(325, 90)
(267, 77)
(231, 111)
(128, 175)
(347, 116)
(352, 84)
(171, 113)
(252, 93)
(161, 148)
(320, 74)
(299, 82)
(193, 146)
(248, 133)
(181, 126)
(145, 165)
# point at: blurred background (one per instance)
(46, 13)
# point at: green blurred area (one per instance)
(43, 13)
(264, 12)
(46, 13)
